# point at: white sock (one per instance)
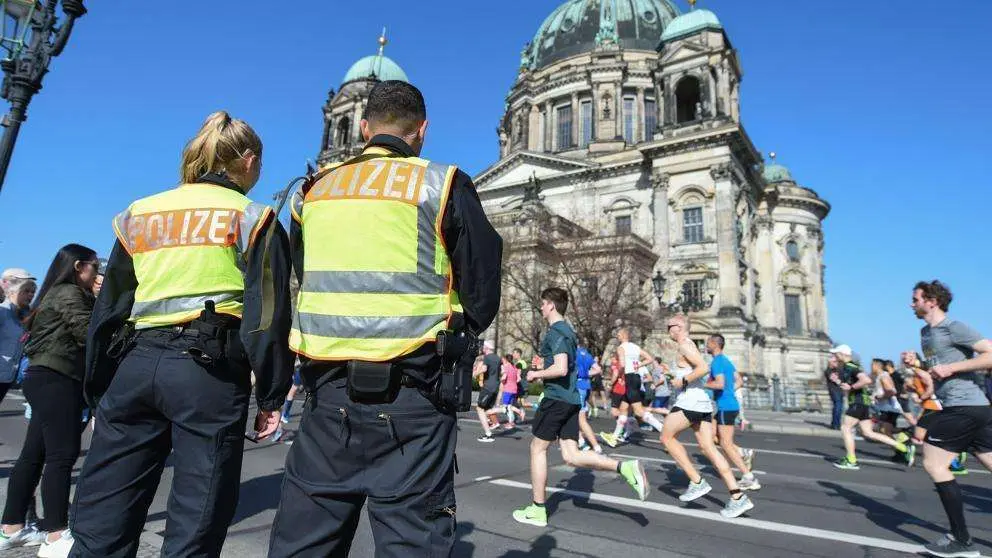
(621, 425)
(650, 419)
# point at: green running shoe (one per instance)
(532, 515)
(846, 463)
(633, 472)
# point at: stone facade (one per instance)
(650, 144)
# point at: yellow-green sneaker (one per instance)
(609, 438)
(532, 515)
(633, 472)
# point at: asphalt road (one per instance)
(805, 508)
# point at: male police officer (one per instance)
(393, 249)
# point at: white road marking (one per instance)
(669, 461)
(783, 528)
(485, 478)
(758, 451)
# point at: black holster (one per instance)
(372, 383)
(457, 350)
(218, 339)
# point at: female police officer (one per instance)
(202, 274)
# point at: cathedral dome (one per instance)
(776, 173)
(578, 26)
(692, 22)
(377, 66)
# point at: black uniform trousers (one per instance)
(400, 457)
(160, 401)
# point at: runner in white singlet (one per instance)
(635, 362)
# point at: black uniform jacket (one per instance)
(476, 253)
(268, 349)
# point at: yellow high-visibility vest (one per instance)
(376, 276)
(188, 245)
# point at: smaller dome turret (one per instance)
(378, 66)
(690, 23)
(774, 172)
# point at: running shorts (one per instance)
(660, 401)
(597, 382)
(904, 403)
(509, 398)
(726, 418)
(958, 429)
(925, 417)
(486, 400)
(889, 417)
(555, 420)
(616, 399)
(859, 411)
(695, 417)
(633, 394)
(584, 399)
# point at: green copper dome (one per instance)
(579, 26)
(776, 173)
(378, 67)
(692, 22)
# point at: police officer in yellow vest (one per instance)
(390, 249)
(195, 297)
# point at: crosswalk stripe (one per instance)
(833, 536)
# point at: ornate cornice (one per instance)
(721, 171)
(660, 180)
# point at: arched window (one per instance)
(344, 133)
(687, 99)
(792, 251)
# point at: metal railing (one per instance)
(776, 394)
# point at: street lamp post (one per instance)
(689, 299)
(32, 36)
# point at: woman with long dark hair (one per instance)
(57, 326)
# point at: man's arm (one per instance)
(111, 311)
(558, 369)
(267, 291)
(692, 356)
(476, 253)
(862, 381)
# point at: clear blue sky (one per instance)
(881, 107)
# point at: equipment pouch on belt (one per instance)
(121, 342)
(457, 350)
(372, 382)
(210, 347)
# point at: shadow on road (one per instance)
(583, 481)
(540, 548)
(883, 515)
(977, 496)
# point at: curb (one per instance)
(795, 430)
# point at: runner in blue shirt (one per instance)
(722, 380)
(585, 368)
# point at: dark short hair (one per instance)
(720, 341)
(936, 291)
(396, 103)
(518, 350)
(556, 296)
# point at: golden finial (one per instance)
(692, 4)
(382, 41)
(772, 154)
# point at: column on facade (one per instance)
(659, 105)
(618, 95)
(356, 119)
(639, 130)
(660, 210)
(575, 119)
(668, 116)
(329, 128)
(723, 72)
(711, 78)
(726, 235)
(767, 281)
(534, 129)
(549, 130)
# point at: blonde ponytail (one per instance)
(220, 141)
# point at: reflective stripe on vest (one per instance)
(188, 246)
(377, 280)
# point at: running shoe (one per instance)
(749, 482)
(486, 439)
(633, 472)
(598, 449)
(949, 547)
(957, 467)
(284, 419)
(910, 455)
(532, 515)
(695, 491)
(609, 438)
(901, 437)
(748, 456)
(277, 435)
(735, 508)
(27, 536)
(846, 463)
(57, 549)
